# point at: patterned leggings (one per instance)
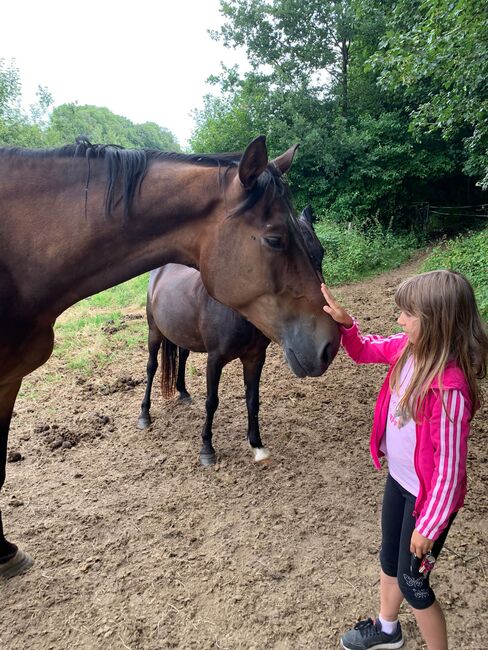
(397, 526)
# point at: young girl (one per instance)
(421, 424)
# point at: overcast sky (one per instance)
(146, 60)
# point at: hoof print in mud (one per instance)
(14, 456)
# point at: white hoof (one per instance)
(261, 454)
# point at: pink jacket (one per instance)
(440, 452)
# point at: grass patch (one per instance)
(128, 294)
(95, 331)
(467, 254)
(351, 254)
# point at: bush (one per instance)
(467, 255)
(351, 253)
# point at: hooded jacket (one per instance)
(442, 431)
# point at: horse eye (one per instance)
(276, 243)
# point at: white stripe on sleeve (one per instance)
(437, 487)
(449, 490)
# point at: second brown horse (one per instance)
(182, 317)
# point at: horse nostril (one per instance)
(326, 356)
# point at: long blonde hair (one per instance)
(450, 329)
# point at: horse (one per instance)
(183, 318)
(79, 219)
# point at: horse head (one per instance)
(256, 260)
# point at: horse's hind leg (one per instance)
(252, 375)
(183, 355)
(153, 344)
(13, 561)
(214, 372)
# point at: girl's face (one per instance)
(411, 326)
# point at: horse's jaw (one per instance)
(310, 341)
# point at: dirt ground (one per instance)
(138, 547)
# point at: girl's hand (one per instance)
(419, 544)
(338, 313)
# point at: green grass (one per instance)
(129, 294)
(467, 254)
(92, 333)
(351, 254)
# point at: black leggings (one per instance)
(397, 526)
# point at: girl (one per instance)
(421, 424)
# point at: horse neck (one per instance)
(74, 250)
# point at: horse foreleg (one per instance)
(183, 355)
(153, 344)
(214, 372)
(252, 375)
(13, 560)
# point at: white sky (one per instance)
(146, 60)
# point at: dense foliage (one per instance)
(388, 100)
(468, 255)
(352, 253)
(445, 88)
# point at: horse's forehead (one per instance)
(277, 205)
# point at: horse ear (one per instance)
(308, 215)
(253, 162)
(284, 161)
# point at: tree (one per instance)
(434, 57)
(357, 157)
(16, 126)
(100, 125)
(304, 43)
(250, 107)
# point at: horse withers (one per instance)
(183, 318)
(82, 218)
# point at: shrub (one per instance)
(351, 253)
(467, 255)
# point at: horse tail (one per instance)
(169, 364)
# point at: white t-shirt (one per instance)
(399, 440)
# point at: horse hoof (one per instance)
(262, 455)
(143, 423)
(185, 399)
(207, 460)
(20, 563)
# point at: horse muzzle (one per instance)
(308, 360)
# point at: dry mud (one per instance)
(138, 547)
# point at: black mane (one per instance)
(85, 149)
(130, 166)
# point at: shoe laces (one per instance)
(366, 628)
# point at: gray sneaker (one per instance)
(367, 635)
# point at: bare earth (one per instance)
(137, 546)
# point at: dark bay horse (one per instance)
(183, 318)
(82, 218)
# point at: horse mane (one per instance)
(130, 166)
(83, 148)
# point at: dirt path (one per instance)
(138, 547)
